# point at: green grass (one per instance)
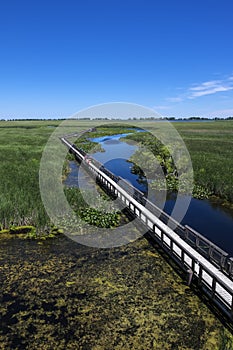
(21, 145)
(210, 145)
(211, 148)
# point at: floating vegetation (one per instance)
(201, 192)
(100, 218)
(30, 232)
(56, 294)
(100, 211)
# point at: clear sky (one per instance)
(58, 57)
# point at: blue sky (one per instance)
(58, 57)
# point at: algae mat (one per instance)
(56, 294)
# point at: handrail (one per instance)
(204, 246)
(185, 247)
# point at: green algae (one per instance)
(18, 230)
(30, 232)
(61, 295)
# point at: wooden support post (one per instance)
(171, 245)
(182, 256)
(186, 233)
(223, 261)
(213, 288)
(190, 276)
(230, 267)
(193, 265)
(200, 275)
(162, 237)
(210, 252)
(232, 306)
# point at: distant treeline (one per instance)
(133, 118)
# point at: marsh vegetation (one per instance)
(59, 295)
(210, 145)
(56, 294)
(22, 143)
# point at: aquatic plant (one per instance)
(99, 211)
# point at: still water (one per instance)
(205, 216)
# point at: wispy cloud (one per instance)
(206, 88)
(209, 88)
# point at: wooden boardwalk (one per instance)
(206, 264)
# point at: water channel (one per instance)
(207, 216)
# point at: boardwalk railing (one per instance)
(209, 265)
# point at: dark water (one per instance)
(205, 216)
(210, 219)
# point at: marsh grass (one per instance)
(22, 143)
(210, 145)
(21, 147)
(211, 148)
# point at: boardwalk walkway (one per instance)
(205, 263)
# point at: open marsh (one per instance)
(211, 148)
(59, 295)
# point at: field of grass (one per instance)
(210, 145)
(21, 147)
(22, 142)
(211, 148)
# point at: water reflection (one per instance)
(206, 216)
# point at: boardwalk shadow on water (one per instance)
(56, 294)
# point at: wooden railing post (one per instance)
(193, 265)
(190, 276)
(200, 275)
(232, 306)
(230, 266)
(162, 235)
(182, 256)
(171, 245)
(213, 287)
(210, 252)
